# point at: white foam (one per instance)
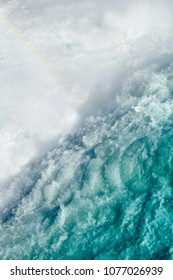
(61, 60)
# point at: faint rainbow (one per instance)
(31, 46)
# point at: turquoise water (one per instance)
(107, 191)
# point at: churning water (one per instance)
(105, 191)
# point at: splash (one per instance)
(105, 191)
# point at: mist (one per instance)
(62, 61)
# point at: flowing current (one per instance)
(86, 130)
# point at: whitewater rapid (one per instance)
(86, 136)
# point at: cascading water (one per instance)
(105, 191)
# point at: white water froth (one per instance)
(61, 62)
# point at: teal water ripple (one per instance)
(106, 193)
